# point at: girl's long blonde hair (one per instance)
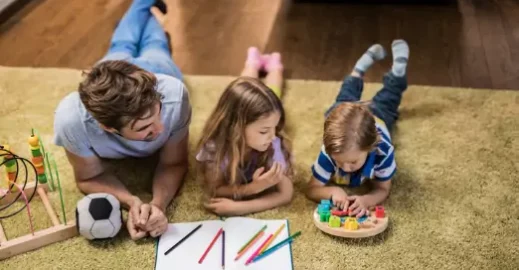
(244, 101)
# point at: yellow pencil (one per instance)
(272, 238)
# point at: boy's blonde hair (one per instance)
(350, 126)
(244, 101)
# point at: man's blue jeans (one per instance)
(139, 39)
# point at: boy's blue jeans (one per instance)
(139, 39)
(384, 104)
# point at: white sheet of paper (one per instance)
(238, 231)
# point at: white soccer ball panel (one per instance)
(116, 219)
(85, 222)
(103, 229)
(83, 204)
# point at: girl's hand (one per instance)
(268, 179)
(358, 206)
(340, 198)
(223, 206)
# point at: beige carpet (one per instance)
(453, 206)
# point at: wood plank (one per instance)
(502, 70)
(55, 36)
(473, 61)
(48, 207)
(39, 239)
(212, 37)
(510, 18)
(3, 238)
(89, 48)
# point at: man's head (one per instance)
(123, 99)
(349, 135)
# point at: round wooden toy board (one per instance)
(367, 226)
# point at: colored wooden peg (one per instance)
(334, 221)
(324, 217)
(351, 224)
(340, 213)
(379, 211)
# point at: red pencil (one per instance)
(210, 245)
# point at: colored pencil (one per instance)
(223, 250)
(248, 246)
(252, 238)
(273, 237)
(210, 245)
(249, 260)
(183, 239)
(276, 247)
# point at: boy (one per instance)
(356, 141)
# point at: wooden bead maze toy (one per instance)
(338, 222)
(15, 189)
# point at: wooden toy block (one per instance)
(334, 221)
(323, 209)
(340, 213)
(324, 217)
(379, 211)
(362, 219)
(326, 202)
(351, 224)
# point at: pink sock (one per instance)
(264, 60)
(274, 62)
(253, 58)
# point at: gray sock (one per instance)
(400, 57)
(374, 53)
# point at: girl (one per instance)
(243, 154)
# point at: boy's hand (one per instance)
(340, 198)
(223, 206)
(358, 206)
(268, 179)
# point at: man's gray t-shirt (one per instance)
(78, 132)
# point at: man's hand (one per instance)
(140, 213)
(157, 222)
(224, 206)
(358, 206)
(135, 232)
(271, 178)
(340, 198)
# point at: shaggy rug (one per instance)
(453, 204)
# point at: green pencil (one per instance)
(244, 246)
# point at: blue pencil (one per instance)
(276, 247)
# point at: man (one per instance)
(132, 103)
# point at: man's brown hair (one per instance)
(117, 93)
(350, 126)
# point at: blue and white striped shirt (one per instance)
(380, 164)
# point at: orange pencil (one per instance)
(256, 253)
(272, 239)
(249, 245)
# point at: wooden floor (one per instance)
(466, 43)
